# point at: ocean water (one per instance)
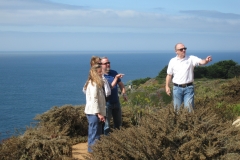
(33, 82)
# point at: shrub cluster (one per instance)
(63, 121)
(165, 134)
(35, 147)
(222, 95)
(160, 133)
(137, 82)
(52, 138)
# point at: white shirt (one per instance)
(106, 87)
(182, 69)
(95, 100)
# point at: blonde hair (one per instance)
(95, 60)
(94, 77)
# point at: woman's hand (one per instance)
(101, 117)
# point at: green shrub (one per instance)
(164, 134)
(142, 100)
(236, 109)
(52, 138)
(221, 69)
(34, 146)
(137, 82)
(63, 121)
(162, 73)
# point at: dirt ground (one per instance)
(79, 151)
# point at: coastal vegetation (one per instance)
(151, 128)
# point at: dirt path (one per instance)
(79, 151)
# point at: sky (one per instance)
(122, 25)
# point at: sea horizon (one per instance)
(60, 52)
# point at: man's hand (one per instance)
(125, 97)
(119, 75)
(208, 59)
(168, 79)
(168, 90)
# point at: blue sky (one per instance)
(76, 25)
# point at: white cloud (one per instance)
(212, 14)
(47, 14)
(34, 4)
(44, 25)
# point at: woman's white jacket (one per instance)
(95, 100)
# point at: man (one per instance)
(113, 107)
(181, 69)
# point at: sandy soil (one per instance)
(79, 151)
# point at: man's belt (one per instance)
(183, 85)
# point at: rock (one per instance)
(236, 122)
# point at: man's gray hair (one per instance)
(104, 58)
(175, 47)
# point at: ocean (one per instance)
(33, 82)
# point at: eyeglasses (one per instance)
(181, 49)
(105, 63)
(99, 63)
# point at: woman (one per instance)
(95, 104)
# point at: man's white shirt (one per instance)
(182, 69)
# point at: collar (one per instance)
(181, 58)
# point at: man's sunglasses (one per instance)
(105, 63)
(181, 49)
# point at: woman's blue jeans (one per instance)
(94, 130)
(113, 110)
(183, 94)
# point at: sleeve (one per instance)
(84, 91)
(94, 95)
(195, 60)
(170, 67)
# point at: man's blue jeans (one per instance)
(183, 94)
(113, 110)
(94, 130)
